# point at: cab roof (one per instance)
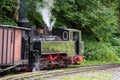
(62, 28)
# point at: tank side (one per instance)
(58, 46)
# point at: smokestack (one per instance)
(23, 21)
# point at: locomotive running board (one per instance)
(11, 67)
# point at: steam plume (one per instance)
(44, 8)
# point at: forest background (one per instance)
(98, 20)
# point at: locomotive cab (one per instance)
(71, 35)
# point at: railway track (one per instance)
(52, 73)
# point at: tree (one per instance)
(7, 8)
(90, 16)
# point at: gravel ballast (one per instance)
(108, 74)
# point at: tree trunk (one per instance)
(16, 13)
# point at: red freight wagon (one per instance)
(10, 45)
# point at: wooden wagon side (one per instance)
(11, 47)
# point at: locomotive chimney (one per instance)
(23, 21)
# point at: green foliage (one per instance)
(104, 24)
(96, 62)
(7, 8)
(116, 45)
(94, 18)
(117, 49)
(7, 21)
(100, 51)
(115, 41)
(97, 19)
(34, 17)
(6, 12)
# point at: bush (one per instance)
(117, 49)
(115, 41)
(100, 51)
(116, 45)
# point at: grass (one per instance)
(97, 62)
(87, 63)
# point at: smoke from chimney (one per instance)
(44, 8)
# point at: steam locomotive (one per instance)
(27, 48)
